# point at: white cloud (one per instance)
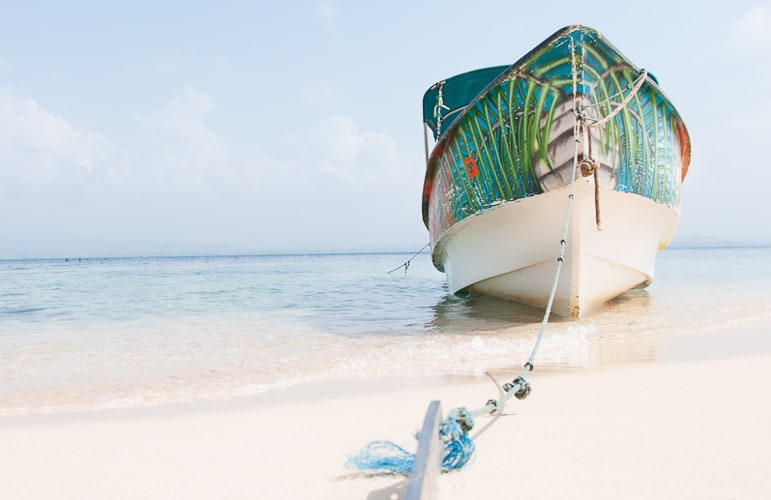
(752, 32)
(339, 140)
(5, 63)
(180, 147)
(37, 147)
(355, 155)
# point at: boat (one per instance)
(567, 163)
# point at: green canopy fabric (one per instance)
(457, 92)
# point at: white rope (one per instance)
(622, 105)
(406, 265)
(438, 108)
(519, 387)
(563, 241)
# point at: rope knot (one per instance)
(458, 446)
(459, 420)
(579, 111)
(588, 166)
(522, 386)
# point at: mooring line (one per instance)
(385, 457)
(406, 265)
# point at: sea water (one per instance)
(82, 334)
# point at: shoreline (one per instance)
(711, 344)
(675, 428)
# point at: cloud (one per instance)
(334, 155)
(38, 147)
(171, 149)
(752, 31)
(5, 63)
(179, 148)
(351, 154)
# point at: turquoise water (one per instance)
(123, 332)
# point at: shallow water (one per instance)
(106, 333)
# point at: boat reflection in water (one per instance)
(487, 334)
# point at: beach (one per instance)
(672, 428)
(228, 265)
(257, 377)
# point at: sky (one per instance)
(181, 128)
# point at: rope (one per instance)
(438, 108)
(588, 167)
(622, 105)
(389, 458)
(406, 265)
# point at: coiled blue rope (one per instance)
(386, 457)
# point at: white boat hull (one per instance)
(511, 251)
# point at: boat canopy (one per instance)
(456, 93)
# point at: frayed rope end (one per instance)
(383, 457)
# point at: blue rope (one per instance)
(458, 445)
(383, 457)
(386, 457)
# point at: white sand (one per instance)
(655, 430)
